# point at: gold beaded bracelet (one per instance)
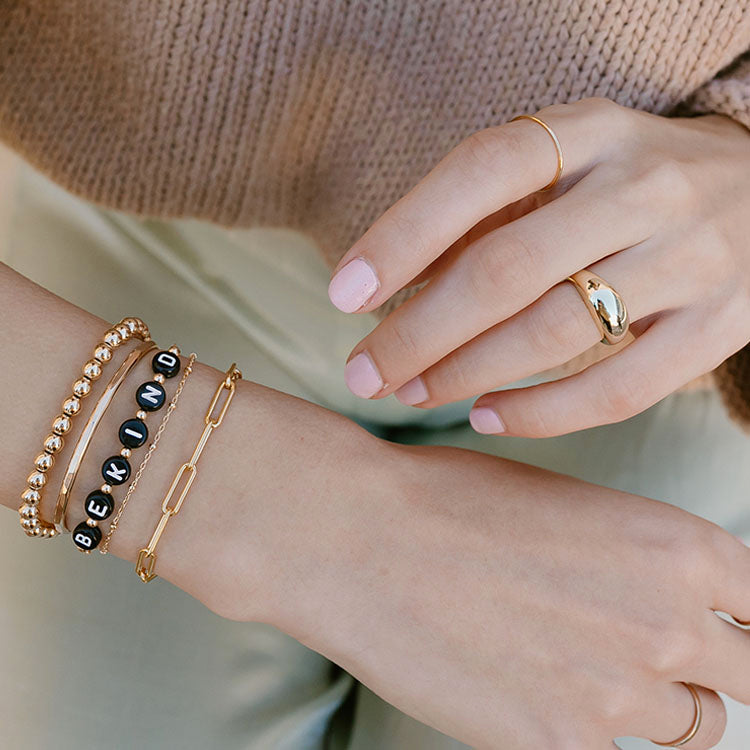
(31, 521)
(146, 563)
(84, 441)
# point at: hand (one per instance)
(506, 606)
(658, 207)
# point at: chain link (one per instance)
(146, 562)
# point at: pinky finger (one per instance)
(670, 353)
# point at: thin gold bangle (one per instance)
(146, 562)
(154, 444)
(29, 511)
(84, 441)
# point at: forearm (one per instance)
(248, 490)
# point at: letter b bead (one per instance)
(86, 537)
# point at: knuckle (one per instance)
(508, 265)
(454, 373)
(481, 152)
(402, 337)
(618, 704)
(621, 400)
(676, 650)
(666, 182)
(408, 232)
(558, 325)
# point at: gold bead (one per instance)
(126, 452)
(36, 480)
(106, 488)
(112, 338)
(71, 406)
(61, 425)
(29, 511)
(44, 461)
(30, 523)
(82, 388)
(36, 531)
(140, 414)
(31, 497)
(49, 532)
(92, 369)
(53, 443)
(132, 323)
(159, 378)
(175, 350)
(102, 353)
(91, 522)
(124, 331)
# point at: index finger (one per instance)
(490, 169)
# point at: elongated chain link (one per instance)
(150, 452)
(146, 562)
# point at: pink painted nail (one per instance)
(353, 285)
(486, 421)
(362, 376)
(412, 392)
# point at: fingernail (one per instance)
(362, 376)
(413, 392)
(353, 285)
(486, 421)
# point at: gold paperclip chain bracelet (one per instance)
(146, 563)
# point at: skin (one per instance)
(507, 606)
(656, 206)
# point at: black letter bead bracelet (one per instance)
(133, 434)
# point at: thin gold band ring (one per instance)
(694, 727)
(558, 148)
(606, 306)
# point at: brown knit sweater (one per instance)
(319, 114)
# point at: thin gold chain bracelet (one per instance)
(31, 521)
(150, 452)
(146, 562)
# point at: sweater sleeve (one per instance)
(728, 94)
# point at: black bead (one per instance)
(166, 363)
(133, 433)
(116, 470)
(150, 396)
(86, 537)
(99, 505)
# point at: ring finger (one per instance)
(670, 714)
(552, 331)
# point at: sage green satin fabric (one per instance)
(91, 658)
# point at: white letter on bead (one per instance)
(151, 394)
(167, 359)
(83, 540)
(116, 474)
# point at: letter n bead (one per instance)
(150, 396)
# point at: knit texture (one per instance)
(319, 114)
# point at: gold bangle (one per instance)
(82, 446)
(154, 444)
(146, 562)
(29, 511)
